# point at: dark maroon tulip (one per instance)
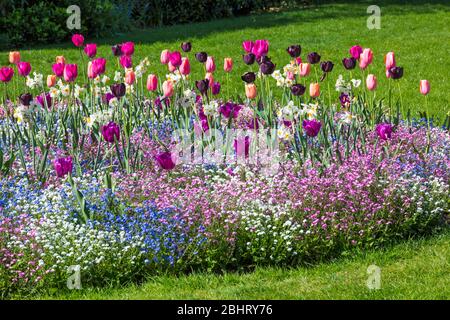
(63, 166)
(118, 90)
(249, 58)
(384, 131)
(298, 89)
(25, 99)
(165, 160)
(202, 85)
(116, 50)
(260, 60)
(249, 77)
(186, 46)
(311, 127)
(396, 72)
(349, 63)
(326, 66)
(201, 57)
(313, 58)
(267, 67)
(111, 131)
(294, 51)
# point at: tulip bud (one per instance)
(24, 68)
(201, 57)
(298, 89)
(249, 58)
(90, 50)
(326, 66)
(365, 58)
(314, 90)
(349, 63)
(171, 67)
(313, 58)
(165, 56)
(371, 82)
(14, 57)
(294, 51)
(168, 88)
(424, 87)
(6, 74)
(227, 64)
(60, 59)
(356, 51)
(185, 67)
(126, 62)
(250, 90)
(51, 80)
(78, 40)
(25, 99)
(389, 60)
(152, 82)
(248, 46)
(58, 69)
(70, 72)
(186, 46)
(210, 64)
(396, 72)
(130, 77)
(91, 74)
(215, 89)
(304, 69)
(127, 48)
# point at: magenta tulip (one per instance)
(111, 132)
(356, 51)
(91, 50)
(126, 62)
(127, 48)
(260, 48)
(24, 68)
(311, 127)
(248, 46)
(6, 74)
(58, 69)
(166, 160)
(210, 64)
(185, 67)
(78, 40)
(99, 66)
(424, 87)
(384, 131)
(63, 166)
(175, 59)
(70, 72)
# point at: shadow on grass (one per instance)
(322, 9)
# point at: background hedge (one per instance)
(35, 21)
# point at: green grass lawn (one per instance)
(418, 34)
(417, 269)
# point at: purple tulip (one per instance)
(25, 99)
(165, 160)
(186, 46)
(267, 67)
(349, 63)
(249, 58)
(201, 57)
(215, 89)
(107, 97)
(326, 66)
(63, 166)
(294, 51)
(230, 109)
(384, 130)
(344, 99)
(242, 146)
(202, 85)
(396, 72)
(118, 90)
(313, 58)
(44, 100)
(311, 127)
(111, 132)
(298, 89)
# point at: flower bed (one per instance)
(128, 179)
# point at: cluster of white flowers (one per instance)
(35, 82)
(346, 86)
(188, 99)
(175, 77)
(141, 68)
(346, 117)
(101, 117)
(211, 108)
(289, 112)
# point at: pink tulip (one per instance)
(227, 64)
(171, 67)
(91, 50)
(60, 59)
(388, 74)
(91, 74)
(6, 74)
(389, 60)
(371, 82)
(168, 88)
(58, 69)
(185, 67)
(304, 69)
(424, 87)
(210, 77)
(127, 48)
(130, 77)
(290, 75)
(298, 60)
(51, 80)
(70, 72)
(14, 57)
(99, 66)
(152, 82)
(78, 40)
(365, 58)
(314, 90)
(210, 64)
(356, 51)
(126, 62)
(24, 68)
(175, 58)
(248, 46)
(165, 56)
(260, 48)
